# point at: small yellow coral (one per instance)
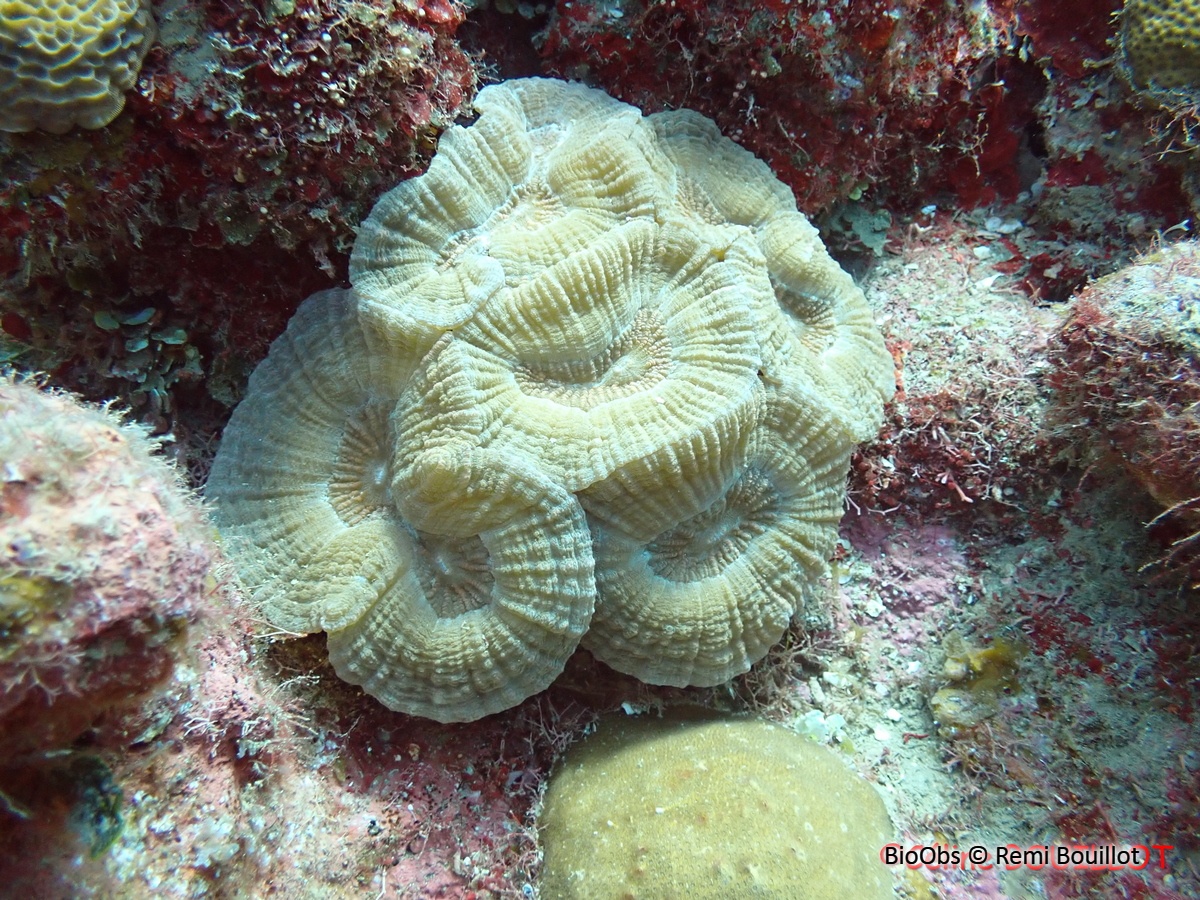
(1160, 44)
(67, 63)
(697, 805)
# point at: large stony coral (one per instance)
(1159, 51)
(68, 63)
(706, 807)
(592, 364)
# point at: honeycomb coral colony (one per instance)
(70, 63)
(576, 310)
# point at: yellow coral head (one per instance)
(1160, 47)
(68, 63)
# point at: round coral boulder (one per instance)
(699, 806)
(104, 563)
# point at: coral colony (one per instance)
(526, 352)
(728, 449)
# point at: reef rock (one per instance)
(1127, 379)
(107, 562)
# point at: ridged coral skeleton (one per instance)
(68, 63)
(1160, 45)
(585, 346)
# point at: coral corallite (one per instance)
(104, 563)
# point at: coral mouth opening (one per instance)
(528, 209)
(456, 573)
(634, 362)
(704, 545)
(361, 473)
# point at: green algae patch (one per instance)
(699, 806)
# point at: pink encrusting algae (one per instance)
(106, 564)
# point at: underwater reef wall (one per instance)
(156, 258)
(255, 138)
(868, 105)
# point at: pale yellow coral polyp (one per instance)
(596, 379)
(701, 601)
(592, 364)
(67, 63)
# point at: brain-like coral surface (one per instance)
(705, 807)
(596, 379)
(67, 63)
(1160, 44)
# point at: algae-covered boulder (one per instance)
(1126, 374)
(107, 561)
(700, 806)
